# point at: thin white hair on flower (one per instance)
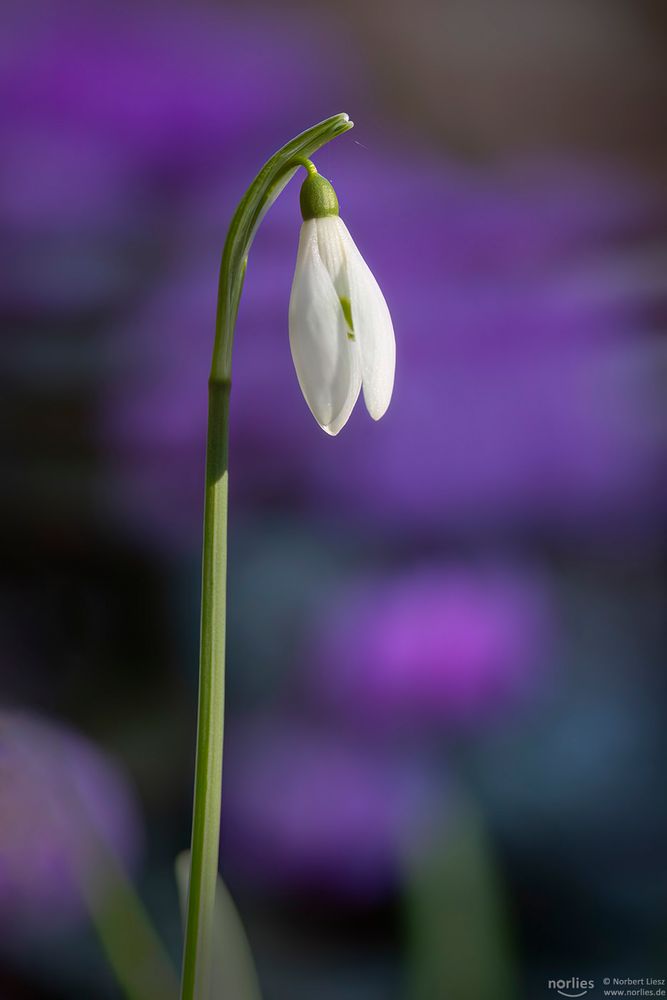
(341, 334)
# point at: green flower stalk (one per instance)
(259, 197)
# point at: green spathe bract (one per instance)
(254, 205)
(259, 197)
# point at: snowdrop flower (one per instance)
(341, 334)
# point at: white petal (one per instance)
(372, 327)
(332, 252)
(327, 363)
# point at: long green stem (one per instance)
(208, 771)
(259, 197)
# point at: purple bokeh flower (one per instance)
(439, 646)
(526, 306)
(111, 116)
(308, 811)
(59, 799)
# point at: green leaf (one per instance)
(459, 945)
(130, 942)
(233, 975)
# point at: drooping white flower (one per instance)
(341, 334)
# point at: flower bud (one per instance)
(318, 198)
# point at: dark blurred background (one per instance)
(445, 741)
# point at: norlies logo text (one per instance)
(573, 987)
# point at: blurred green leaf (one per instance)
(233, 976)
(458, 931)
(130, 942)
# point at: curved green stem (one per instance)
(259, 197)
(307, 164)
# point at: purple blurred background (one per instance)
(453, 618)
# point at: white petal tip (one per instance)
(335, 427)
(377, 405)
